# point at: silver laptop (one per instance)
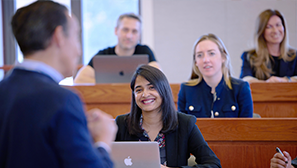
(116, 69)
(135, 154)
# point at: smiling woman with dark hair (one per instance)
(153, 117)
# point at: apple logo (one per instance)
(121, 73)
(128, 161)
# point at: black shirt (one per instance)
(275, 63)
(139, 49)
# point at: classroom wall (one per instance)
(170, 28)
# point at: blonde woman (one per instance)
(272, 59)
(211, 91)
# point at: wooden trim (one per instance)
(255, 129)
(249, 142)
(6, 67)
(274, 92)
(270, 99)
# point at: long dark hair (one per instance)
(161, 84)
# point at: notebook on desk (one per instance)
(116, 69)
(135, 154)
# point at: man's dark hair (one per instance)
(168, 110)
(34, 25)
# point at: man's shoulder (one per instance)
(27, 78)
(38, 87)
(46, 85)
(142, 47)
(107, 51)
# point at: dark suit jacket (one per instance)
(294, 162)
(198, 100)
(179, 144)
(285, 68)
(44, 125)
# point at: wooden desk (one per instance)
(275, 99)
(238, 142)
(249, 142)
(114, 99)
(6, 67)
(270, 99)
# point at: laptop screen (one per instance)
(116, 69)
(135, 154)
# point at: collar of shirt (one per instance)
(40, 67)
(145, 137)
(221, 85)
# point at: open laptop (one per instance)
(117, 69)
(135, 154)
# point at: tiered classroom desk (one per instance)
(249, 142)
(270, 99)
(114, 99)
(275, 99)
(238, 142)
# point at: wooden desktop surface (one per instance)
(275, 99)
(270, 99)
(249, 142)
(238, 142)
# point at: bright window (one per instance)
(99, 20)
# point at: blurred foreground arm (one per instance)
(102, 126)
(86, 74)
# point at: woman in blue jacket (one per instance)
(272, 59)
(211, 91)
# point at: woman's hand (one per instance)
(277, 79)
(162, 166)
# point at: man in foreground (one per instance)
(41, 123)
